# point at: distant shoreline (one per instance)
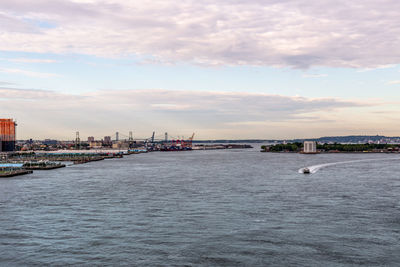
(328, 152)
(349, 139)
(298, 147)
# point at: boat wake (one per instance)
(315, 168)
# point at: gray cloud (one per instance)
(300, 33)
(2, 83)
(43, 112)
(11, 24)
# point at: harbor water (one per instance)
(206, 208)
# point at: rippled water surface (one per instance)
(228, 207)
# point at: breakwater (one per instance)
(12, 173)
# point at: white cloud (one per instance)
(394, 82)
(314, 75)
(6, 83)
(298, 33)
(31, 60)
(378, 68)
(170, 106)
(28, 73)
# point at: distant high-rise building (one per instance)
(107, 140)
(310, 147)
(7, 135)
(90, 139)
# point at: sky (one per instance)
(226, 69)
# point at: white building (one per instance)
(310, 147)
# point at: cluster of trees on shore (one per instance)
(297, 147)
(291, 147)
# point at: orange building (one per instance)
(7, 135)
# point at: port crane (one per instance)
(190, 143)
(149, 143)
(155, 142)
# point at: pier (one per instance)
(12, 169)
(42, 165)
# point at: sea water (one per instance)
(206, 208)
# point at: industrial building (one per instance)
(7, 135)
(95, 144)
(310, 147)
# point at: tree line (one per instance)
(297, 147)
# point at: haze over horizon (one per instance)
(233, 69)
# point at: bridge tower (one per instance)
(77, 141)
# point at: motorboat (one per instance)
(306, 171)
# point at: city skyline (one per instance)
(226, 70)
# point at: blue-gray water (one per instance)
(228, 208)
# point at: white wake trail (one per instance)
(315, 168)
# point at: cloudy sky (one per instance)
(223, 69)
